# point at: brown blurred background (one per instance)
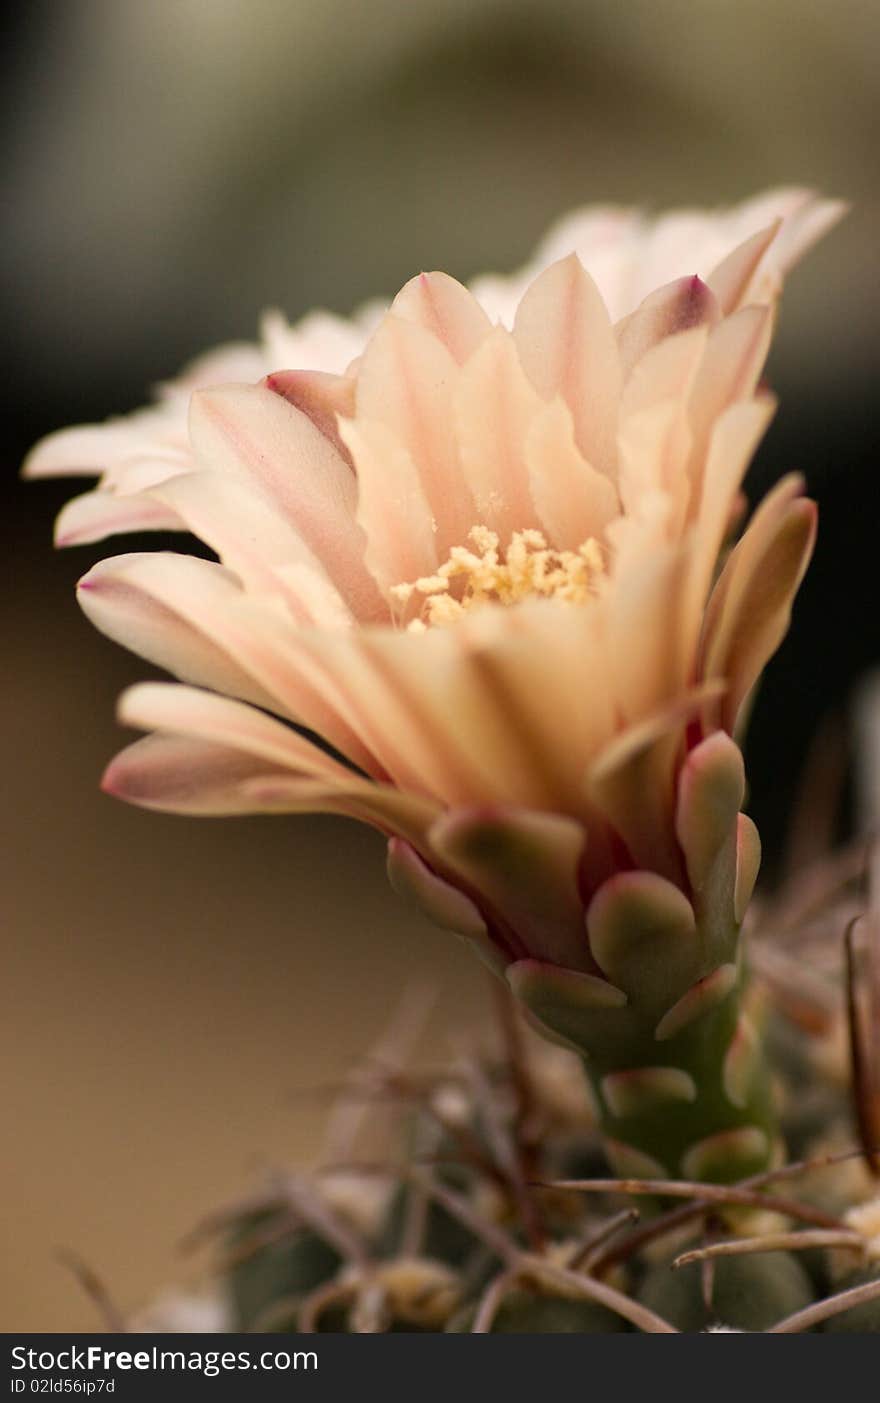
(173, 988)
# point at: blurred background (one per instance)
(173, 990)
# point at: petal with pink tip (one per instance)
(445, 308)
(191, 617)
(677, 307)
(132, 599)
(567, 347)
(188, 776)
(322, 397)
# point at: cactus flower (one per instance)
(485, 590)
(627, 254)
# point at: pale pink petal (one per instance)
(734, 276)
(449, 311)
(238, 521)
(258, 438)
(567, 347)
(87, 449)
(97, 514)
(664, 372)
(393, 510)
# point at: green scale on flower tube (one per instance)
(674, 1060)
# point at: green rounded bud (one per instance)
(525, 1313)
(749, 1292)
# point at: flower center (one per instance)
(486, 574)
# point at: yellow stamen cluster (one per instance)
(489, 575)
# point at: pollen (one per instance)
(484, 573)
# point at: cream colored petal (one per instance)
(394, 812)
(191, 617)
(652, 627)
(494, 407)
(407, 701)
(393, 510)
(729, 371)
(567, 347)
(259, 440)
(445, 308)
(665, 371)
(188, 711)
(405, 383)
(750, 607)
(573, 501)
(653, 449)
(735, 438)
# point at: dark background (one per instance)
(168, 170)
